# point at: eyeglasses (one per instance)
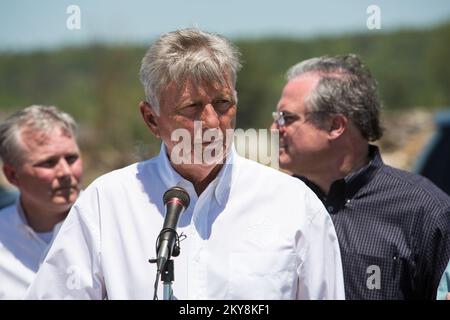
(282, 118)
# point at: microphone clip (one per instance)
(176, 248)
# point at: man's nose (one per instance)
(209, 117)
(63, 168)
(276, 126)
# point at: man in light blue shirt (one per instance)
(444, 286)
(41, 158)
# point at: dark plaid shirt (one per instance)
(393, 229)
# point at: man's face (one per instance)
(49, 176)
(213, 107)
(301, 142)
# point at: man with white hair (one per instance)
(41, 158)
(251, 231)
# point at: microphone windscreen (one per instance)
(177, 192)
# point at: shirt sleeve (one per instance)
(320, 270)
(71, 269)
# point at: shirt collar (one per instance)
(221, 184)
(224, 178)
(366, 173)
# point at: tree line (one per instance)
(98, 84)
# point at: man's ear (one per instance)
(10, 173)
(150, 117)
(338, 124)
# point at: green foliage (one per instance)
(99, 84)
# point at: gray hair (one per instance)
(193, 53)
(37, 118)
(346, 87)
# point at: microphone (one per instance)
(176, 200)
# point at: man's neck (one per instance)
(339, 167)
(200, 176)
(41, 219)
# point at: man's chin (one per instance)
(65, 198)
(283, 159)
(203, 165)
(61, 206)
(285, 164)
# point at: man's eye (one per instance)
(189, 109)
(222, 105)
(47, 163)
(71, 159)
(289, 119)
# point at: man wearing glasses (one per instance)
(393, 226)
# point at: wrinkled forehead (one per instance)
(191, 88)
(34, 144)
(41, 136)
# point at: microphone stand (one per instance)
(176, 200)
(167, 272)
(167, 278)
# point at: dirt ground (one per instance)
(405, 136)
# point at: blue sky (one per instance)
(31, 24)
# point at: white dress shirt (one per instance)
(21, 251)
(254, 233)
